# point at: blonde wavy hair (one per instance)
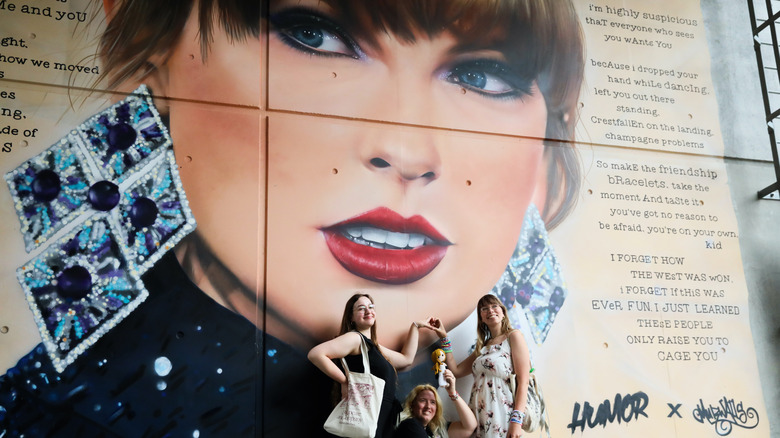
(437, 424)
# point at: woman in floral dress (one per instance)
(500, 352)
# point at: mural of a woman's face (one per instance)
(423, 219)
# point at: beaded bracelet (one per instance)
(446, 345)
(517, 417)
(454, 397)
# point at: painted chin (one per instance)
(383, 247)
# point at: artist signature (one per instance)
(725, 415)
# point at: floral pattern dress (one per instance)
(491, 398)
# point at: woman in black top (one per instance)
(426, 417)
(359, 320)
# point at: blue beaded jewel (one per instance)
(103, 204)
(532, 280)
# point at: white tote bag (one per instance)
(357, 415)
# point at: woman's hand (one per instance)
(515, 430)
(405, 357)
(450, 379)
(436, 325)
(422, 324)
(458, 369)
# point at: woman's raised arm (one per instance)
(467, 423)
(458, 369)
(405, 357)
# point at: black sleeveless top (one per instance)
(380, 367)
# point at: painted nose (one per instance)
(409, 154)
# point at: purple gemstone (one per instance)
(103, 195)
(143, 212)
(46, 186)
(74, 283)
(121, 136)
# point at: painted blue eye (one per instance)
(310, 32)
(472, 79)
(489, 78)
(310, 37)
(320, 40)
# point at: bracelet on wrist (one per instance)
(446, 345)
(517, 417)
(454, 397)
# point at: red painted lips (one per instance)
(381, 245)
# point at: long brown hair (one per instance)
(483, 333)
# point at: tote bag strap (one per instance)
(364, 353)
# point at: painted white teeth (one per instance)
(374, 235)
(379, 238)
(398, 240)
(416, 240)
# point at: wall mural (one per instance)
(195, 192)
